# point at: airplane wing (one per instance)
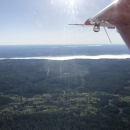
(115, 15)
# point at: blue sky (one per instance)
(26, 22)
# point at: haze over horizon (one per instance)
(46, 22)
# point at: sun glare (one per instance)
(115, 1)
(71, 2)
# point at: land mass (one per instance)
(65, 95)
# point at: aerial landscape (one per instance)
(76, 94)
(64, 65)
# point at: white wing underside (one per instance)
(102, 17)
(105, 14)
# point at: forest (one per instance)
(65, 95)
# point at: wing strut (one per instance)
(107, 35)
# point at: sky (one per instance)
(45, 22)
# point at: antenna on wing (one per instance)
(107, 35)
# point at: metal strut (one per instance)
(108, 35)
